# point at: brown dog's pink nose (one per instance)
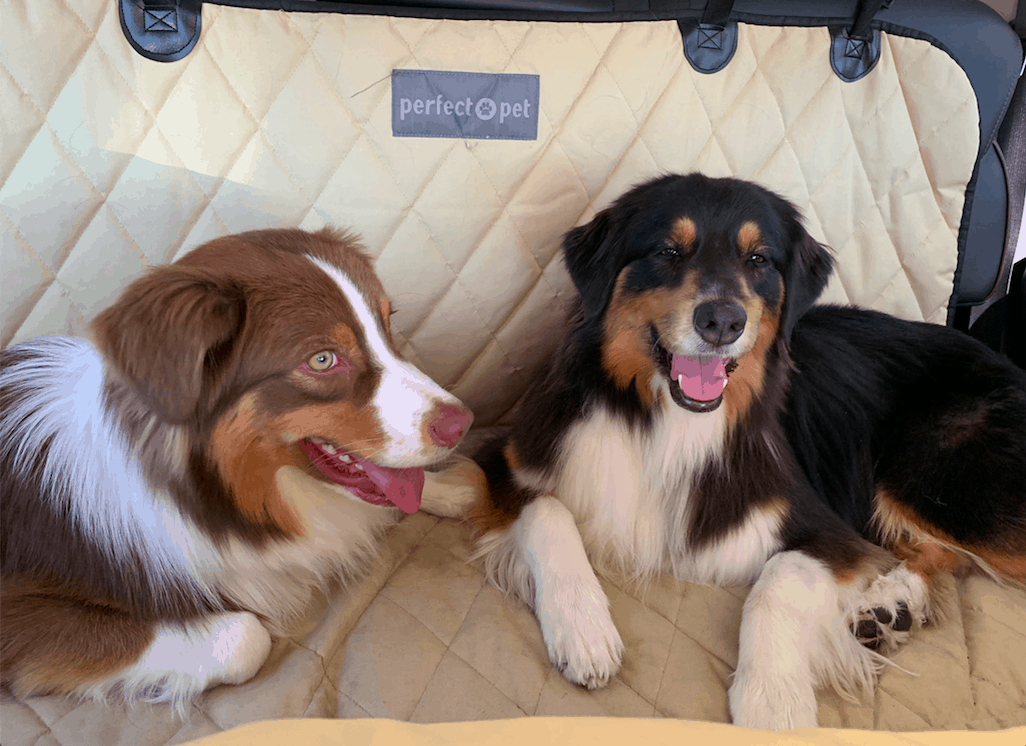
(449, 423)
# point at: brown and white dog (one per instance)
(240, 431)
(699, 420)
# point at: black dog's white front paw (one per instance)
(582, 641)
(892, 606)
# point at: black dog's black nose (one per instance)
(720, 322)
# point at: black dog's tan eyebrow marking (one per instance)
(683, 232)
(627, 348)
(749, 237)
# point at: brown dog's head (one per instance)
(691, 278)
(272, 349)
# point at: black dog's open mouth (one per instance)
(696, 383)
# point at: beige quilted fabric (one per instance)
(109, 163)
(425, 639)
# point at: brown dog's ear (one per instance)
(807, 275)
(590, 255)
(170, 334)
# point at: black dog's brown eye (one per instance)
(671, 251)
(758, 259)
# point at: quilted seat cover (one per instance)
(111, 162)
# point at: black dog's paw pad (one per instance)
(879, 627)
(867, 629)
(903, 620)
(893, 605)
(868, 633)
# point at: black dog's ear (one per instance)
(590, 255)
(807, 276)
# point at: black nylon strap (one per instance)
(864, 17)
(717, 12)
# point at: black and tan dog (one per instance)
(699, 420)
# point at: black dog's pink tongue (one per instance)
(402, 487)
(699, 380)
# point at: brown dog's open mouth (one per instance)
(378, 485)
(696, 383)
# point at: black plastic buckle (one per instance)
(855, 50)
(161, 30)
(707, 47)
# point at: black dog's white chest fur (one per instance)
(632, 491)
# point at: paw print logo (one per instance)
(485, 109)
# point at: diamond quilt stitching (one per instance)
(555, 142)
(160, 19)
(415, 38)
(12, 50)
(621, 106)
(505, 209)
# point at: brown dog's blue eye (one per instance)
(322, 362)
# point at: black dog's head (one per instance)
(692, 277)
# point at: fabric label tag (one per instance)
(489, 106)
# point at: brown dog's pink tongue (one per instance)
(402, 487)
(701, 381)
